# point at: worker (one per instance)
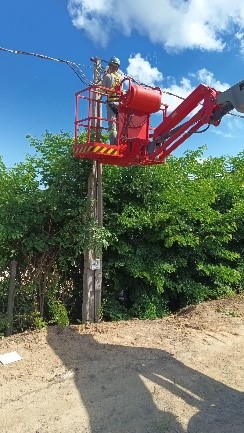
(112, 78)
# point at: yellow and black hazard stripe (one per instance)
(97, 149)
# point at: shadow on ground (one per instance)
(128, 389)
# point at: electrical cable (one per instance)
(80, 74)
(74, 66)
(202, 130)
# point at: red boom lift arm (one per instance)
(138, 143)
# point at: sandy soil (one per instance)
(181, 374)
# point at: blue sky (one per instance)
(173, 44)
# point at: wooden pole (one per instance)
(92, 277)
(11, 290)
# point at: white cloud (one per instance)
(176, 24)
(222, 133)
(235, 123)
(141, 70)
(90, 17)
(174, 94)
(207, 77)
(187, 85)
(240, 37)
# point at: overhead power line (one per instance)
(74, 66)
(80, 74)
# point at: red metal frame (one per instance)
(138, 143)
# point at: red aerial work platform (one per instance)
(138, 143)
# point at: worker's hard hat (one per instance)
(114, 61)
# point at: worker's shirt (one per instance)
(110, 81)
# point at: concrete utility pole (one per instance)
(92, 277)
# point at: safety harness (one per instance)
(113, 98)
(116, 76)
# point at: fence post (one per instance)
(11, 290)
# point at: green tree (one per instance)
(173, 233)
(42, 226)
(172, 240)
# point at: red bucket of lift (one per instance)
(133, 125)
(140, 98)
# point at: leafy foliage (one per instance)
(42, 208)
(172, 235)
(175, 229)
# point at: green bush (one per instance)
(57, 313)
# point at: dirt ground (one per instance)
(180, 374)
